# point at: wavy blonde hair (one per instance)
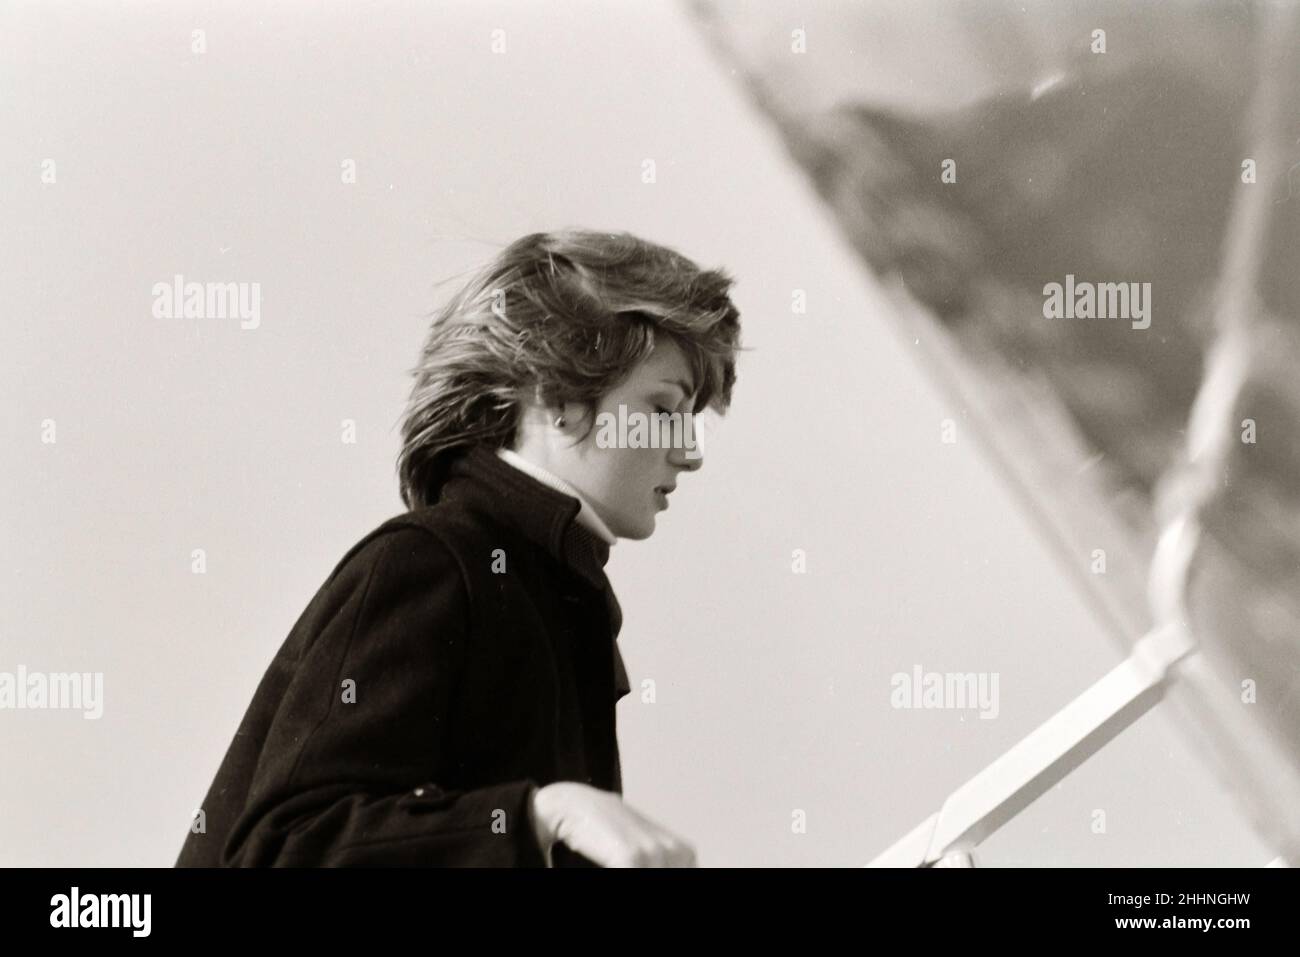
(568, 313)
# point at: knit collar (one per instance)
(484, 482)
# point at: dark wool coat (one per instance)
(479, 638)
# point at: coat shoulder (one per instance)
(440, 529)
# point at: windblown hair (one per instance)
(568, 315)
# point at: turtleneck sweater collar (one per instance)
(586, 514)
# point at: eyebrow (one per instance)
(685, 386)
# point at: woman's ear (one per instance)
(549, 410)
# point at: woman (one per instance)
(447, 697)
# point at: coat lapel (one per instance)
(481, 480)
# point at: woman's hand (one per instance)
(600, 827)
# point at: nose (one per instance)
(688, 456)
(681, 461)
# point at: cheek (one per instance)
(632, 476)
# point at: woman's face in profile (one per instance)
(624, 485)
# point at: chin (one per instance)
(638, 532)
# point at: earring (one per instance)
(559, 421)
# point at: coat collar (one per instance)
(482, 481)
(586, 514)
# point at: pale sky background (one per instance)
(773, 688)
